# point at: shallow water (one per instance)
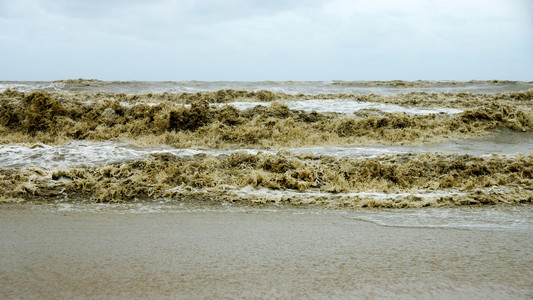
(259, 253)
(500, 218)
(489, 218)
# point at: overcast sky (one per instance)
(266, 39)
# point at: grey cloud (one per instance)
(254, 40)
(89, 9)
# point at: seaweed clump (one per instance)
(388, 181)
(38, 112)
(56, 118)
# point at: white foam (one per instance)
(348, 106)
(75, 154)
(350, 151)
(279, 195)
(90, 154)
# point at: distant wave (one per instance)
(289, 87)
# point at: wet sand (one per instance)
(252, 253)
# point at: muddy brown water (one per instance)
(59, 244)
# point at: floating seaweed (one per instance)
(190, 120)
(186, 120)
(407, 180)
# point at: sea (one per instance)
(91, 154)
(290, 192)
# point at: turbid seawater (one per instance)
(328, 189)
(334, 144)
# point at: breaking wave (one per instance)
(59, 118)
(345, 150)
(288, 87)
(408, 180)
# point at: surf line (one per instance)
(360, 219)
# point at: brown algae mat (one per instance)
(408, 180)
(189, 120)
(165, 119)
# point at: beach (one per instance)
(50, 253)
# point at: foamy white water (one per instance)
(348, 106)
(75, 154)
(88, 154)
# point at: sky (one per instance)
(266, 40)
